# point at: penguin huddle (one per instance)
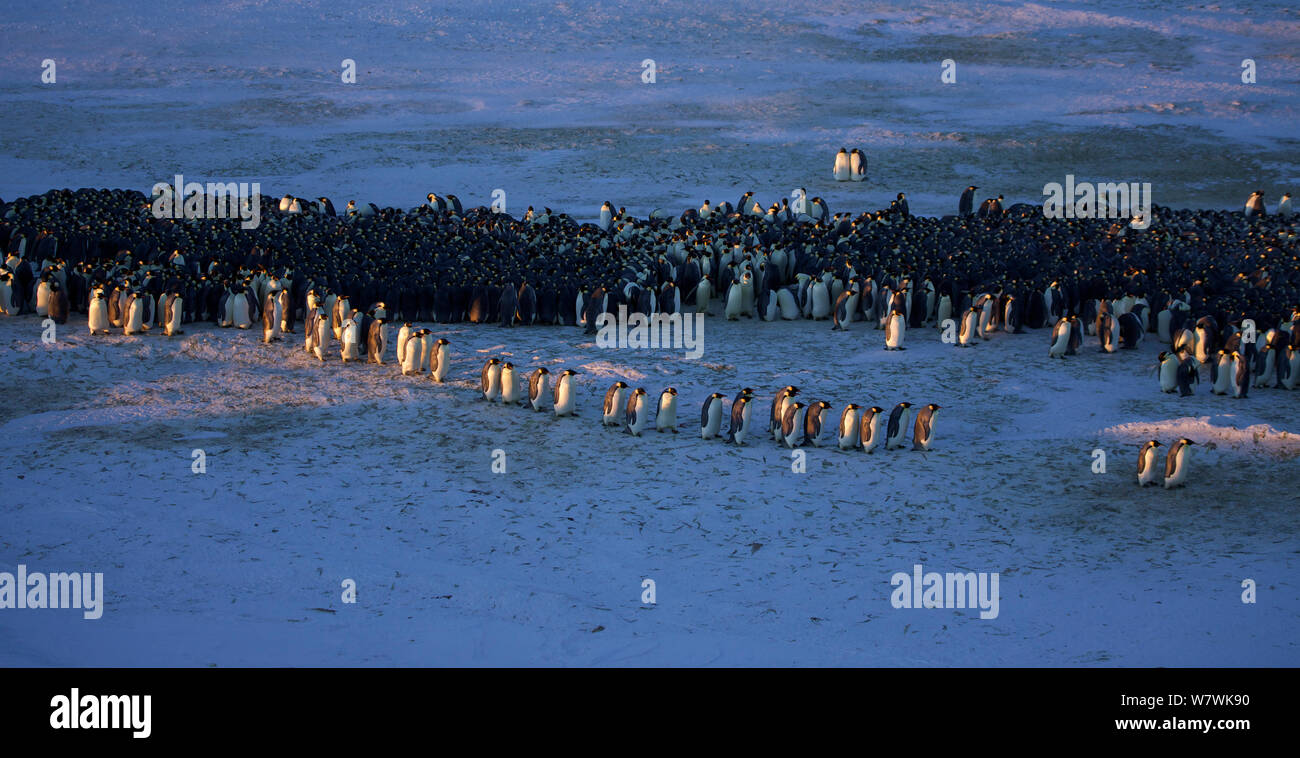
(1174, 471)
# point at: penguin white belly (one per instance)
(713, 420)
(857, 171)
(735, 302)
(97, 321)
(636, 424)
(351, 337)
(746, 414)
(43, 299)
(564, 400)
(785, 301)
(1179, 476)
(1148, 475)
(666, 418)
(1223, 377)
(1270, 369)
(821, 301)
(493, 390)
(133, 323)
(174, 324)
(1169, 374)
(945, 309)
(871, 440)
(1293, 376)
(702, 294)
(240, 316)
(894, 336)
(509, 386)
(322, 342)
(848, 431)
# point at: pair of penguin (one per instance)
(1255, 205)
(850, 166)
(499, 382)
(1176, 463)
(626, 407)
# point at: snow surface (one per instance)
(319, 473)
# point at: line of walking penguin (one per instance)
(791, 422)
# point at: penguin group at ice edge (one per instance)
(1221, 288)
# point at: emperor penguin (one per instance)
(1221, 373)
(1188, 374)
(896, 432)
(410, 354)
(848, 435)
(1254, 208)
(1108, 331)
(1284, 206)
(636, 412)
(1176, 463)
(1291, 378)
(820, 296)
(869, 428)
(666, 413)
(564, 396)
(1168, 367)
(351, 339)
(403, 335)
(606, 215)
(923, 431)
(786, 302)
(509, 384)
(969, 328)
(240, 316)
(271, 318)
(321, 341)
(97, 318)
(843, 170)
(376, 342)
(857, 166)
(1060, 339)
(490, 379)
(439, 357)
(1147, 468)
(895, 329)
(43, 295)
(539, 389)
(742, 411)
(173, 309)
(735, 301)
(703, 293)
(133, 321)
(812, 425)
(711, 416)
(783, 396)
(1240, 375)
(944, 311)
(286, 311)
(792, 425)
(614, 410)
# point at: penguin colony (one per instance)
(1221, 288)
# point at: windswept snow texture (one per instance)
(546, 100)
(321, 473)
